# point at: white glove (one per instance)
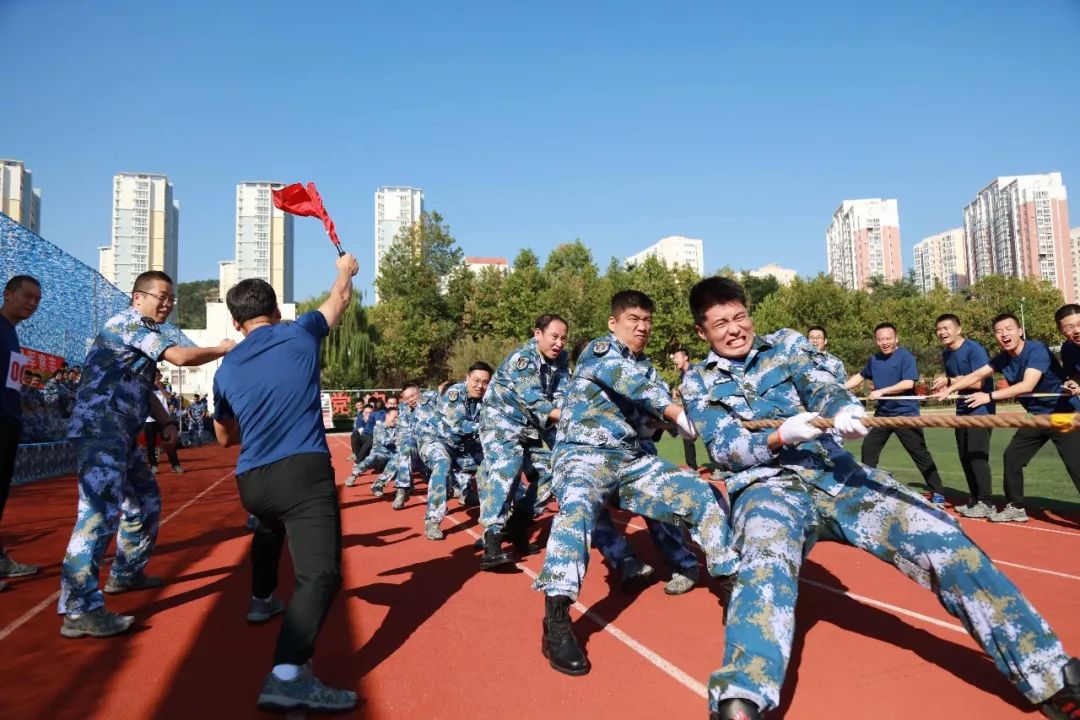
(847, 422)
(686, 428)
(797, 429)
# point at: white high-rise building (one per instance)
(226, 277)
(673, 251)
(942, 258)
(264, 241)
(783, 275)
(1018, 225)
(19, 199)
(863, 241)
(1074, 245)
(145, 229)
(396, 209)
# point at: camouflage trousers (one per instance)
(507, 454)
(668, 539)
(778, 519)
(116, 492)
(385, 465)
(586, 477)
(455, 465)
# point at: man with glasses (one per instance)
(116, 487)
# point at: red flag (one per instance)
(298, 200)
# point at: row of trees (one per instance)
(435, 317)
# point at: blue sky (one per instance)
(529, 125)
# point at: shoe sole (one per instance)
(72, 634)
(27, 573)
(1007, 520)
(113, 590)
(566, 671)
(280, 703)
(494, 565)
(260, 618)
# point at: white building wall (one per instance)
(674, 251)
(396, 208)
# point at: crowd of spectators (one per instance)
(47, 405)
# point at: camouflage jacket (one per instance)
(833, 364)
(524, 393)
(384, 441)
(457, 419)
(416, 423)
(118, 378)
(783, 375)
(610, 397)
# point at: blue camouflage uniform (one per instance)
(116, 488)
(415, 437)
(599, 452)
(453, 447)
(383, 456)
(514, 427)
(783, 502)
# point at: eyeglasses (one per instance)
(163, 299)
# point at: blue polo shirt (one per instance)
(967, 358)
(11, 407)
(270, 384)
(1037, 356)
(1070, 359)
(885, 370)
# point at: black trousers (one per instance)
(690, 453)
(913, 441)
(10, 430)
(361, 445)
(1023, 446)
(973, 444)
(295, 499)
(152, 430)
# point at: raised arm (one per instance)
(341, 290)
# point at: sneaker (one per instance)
(400, 498)
(177, 469)
(11, 569)
(634, 574)
(937, 500)
(1009, 513)
(350, 481)
(432, 531)
(259, 611)
(99, 622)
(976, 510)
(377, 490)
(682, 581)
(142, 581)
(154, 469)
(304, 693)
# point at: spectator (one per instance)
(152, 429)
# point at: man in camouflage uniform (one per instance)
(819, 338)
(612, 404)
(116, 488)
(794, 486)
(417, 423)
(382, 458)
(452, 452)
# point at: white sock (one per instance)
(286, 673)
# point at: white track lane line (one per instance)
(51, 600)
(666, 666)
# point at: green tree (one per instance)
(522, 296)
(191, 299)
(758, 288)
(467, 350)
(575, 291)
(347, 355)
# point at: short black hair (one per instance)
(408, 385)
(1065, 311)
(626, 299)
(680, 350)
(884, 326)
(713, 291)
(251, 298)
(546, 319)
(947, 316)
(820, 329)
(1005, 316)
(144, 280)
(480, 365)
(17, 280)
(393, 408)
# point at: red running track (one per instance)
(419, 632)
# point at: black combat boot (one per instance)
(1065, 705)
(516, 533)
(494, 556)
(560, 646)
(736, 709)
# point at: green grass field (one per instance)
(1046, 483)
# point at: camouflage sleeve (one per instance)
(526, 382)
(630, 379)
(817, 388)
(454, 418)
(148, 341)
(379, 437)
(730, 446)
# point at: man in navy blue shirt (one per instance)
(267, 400)
(893, 372)
(1068, 322)
(961, 356)
(21, 297)
(1030, 369)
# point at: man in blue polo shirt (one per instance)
(893, 372)
(267, 400)
(21, 297)
(1068, 322)
(961, 356)
(1030, 369)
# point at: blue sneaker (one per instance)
(937, 500)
